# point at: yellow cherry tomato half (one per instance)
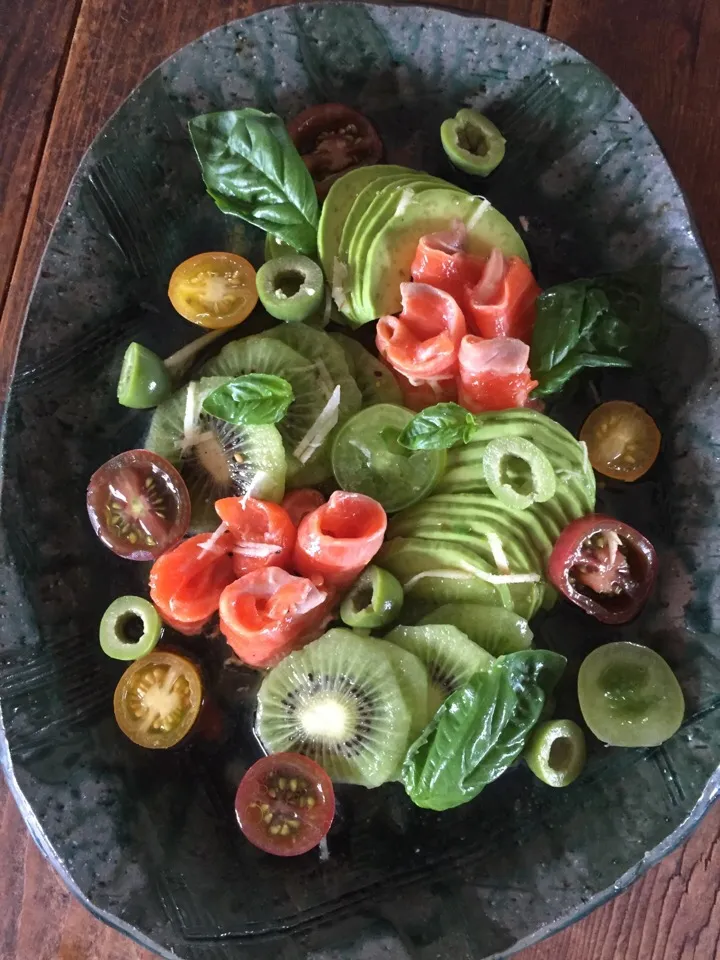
(158, 699)
(214, 290)
(623, 440)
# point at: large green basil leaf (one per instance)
(252, 170)
(480, 729)
(251, 400)
(439, 427)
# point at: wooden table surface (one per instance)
(65, 65)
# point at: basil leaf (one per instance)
(253, 170)
(250, 400)
(438, 428)
(585, 323)
(480, 729)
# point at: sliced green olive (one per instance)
(556, 752)
(275, 247)
(291, 288)
(518, 472)
(472, 142)
(130, 628)
(144, 380)
(375, 599)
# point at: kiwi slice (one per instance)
(413, 680)
(337, 701)
(449, 655)
(376, 382)
(225, 461)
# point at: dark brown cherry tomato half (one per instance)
(332, 139)
(604, 566)
(138, 505)
(285, 804)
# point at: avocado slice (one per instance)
(337, 206)
(494, 629)
(393, 248)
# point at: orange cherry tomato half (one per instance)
(285, 804)
(264, 533)
(158, 699)
(138, 505)
(214, 290)
(299, 503)
(623, 441)
(186, 583)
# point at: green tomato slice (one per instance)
(375, 600)
(518, 472)
(130, 628)
(367, 458)
(629, 696)
(291, 288)
(472, 142)
(144, 379)
(556, 752)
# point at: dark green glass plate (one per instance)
(149, 841)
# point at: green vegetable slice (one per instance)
(367, 458)
(144, 379)
(518, 472)
(480, 729)
(375, 599)
(276, 248)
(130, 628)
(556, 752)
(472, 142)
(495, 629)
(629, 696)
(291, 287)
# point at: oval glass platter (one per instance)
(149, 841)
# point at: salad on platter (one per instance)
(367, 502)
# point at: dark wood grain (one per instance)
(63, 69)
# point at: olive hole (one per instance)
(289, 283)
(362, 598)
(516, 473)
(561, 753)
(130, 628)
(473, 140)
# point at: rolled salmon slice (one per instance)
(423, 342)
(502, 302)
(494, 374)
(339, 539)
(441, 262)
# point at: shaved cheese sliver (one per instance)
(498, 552)
(190, 426)
(478, 214)
(257, 481)
(406, 198)
(339, 284)
(215, 536)
(480, 575)
(320, 429)
(252, 548)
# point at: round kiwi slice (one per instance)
(337, 701)
(376, 383)
(216, 459)
(450, 657)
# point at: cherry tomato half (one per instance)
(158, 699)
(263, 531)
(138, 505)
(285, 804)
(623, 440)
(332, 139)
(604, 566)
(214, 290)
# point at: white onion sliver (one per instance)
(447, 574)
(339, 284)
(189, 438)
(251, 548)
(210, 544)
(480, 575)
(323, 425)
(478, 214)
(260, 477)
(499, 556)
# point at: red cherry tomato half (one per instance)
(299, 503)
(332, 139)
(138, 505)
(285, 804)
(604, 566)
(263, 531)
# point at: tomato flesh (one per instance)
(623, 440)
(263, 531)
(158, 699)
(333, 139)
(605, 567)
(138, 505)
(285, 804)
(214, 290)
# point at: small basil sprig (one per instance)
(438, 428)
(253, 170)
(251, 400)
(480, 729)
